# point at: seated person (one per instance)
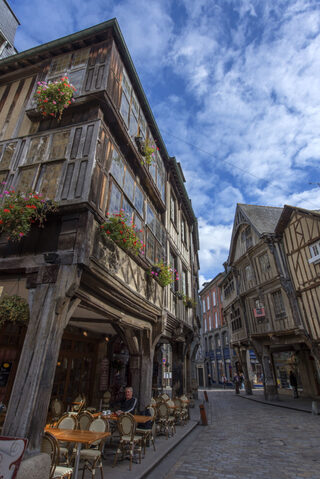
(129, 404)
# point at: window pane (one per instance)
(142, 126)
(59, 145)
(139, 227)
(151, 219)
(25, 179)
(126, 85)
(50, 180)
(117, 167)
(133, 128)
(139, 201)
(80, 58)
(60, 65)
(129, 185)
(128, 210)
(37, 149)
(115, 199)
(7, 155)
(124, 109)
(150, 247)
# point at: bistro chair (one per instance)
(11, 454)
(129, 441)
(92, 457)
(106, 398)
(78, 403)
(165, 421)
(179, 412)
(165, 396)
(56, 410)
(148, 434)
(185, 406)
(66, 422)
(84, 419)
(50, 446)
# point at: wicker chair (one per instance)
(84, 419)
(78, 403)
(56, 410)
(92, 457)
(148, 434)
(66, 422)
(165, 396)
(179, 412)
(106, 398)
(50, 446)
(165, 421)
(129, 441)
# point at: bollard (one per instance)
(206, 396)
(203, 415)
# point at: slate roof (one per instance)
(263, 218)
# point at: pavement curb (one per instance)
(275, 405)
(174, 445)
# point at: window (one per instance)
(214, 298)
(278, 304)
(183, 231)
(204, 305)
(246, 237)
(205, 327)
(315, 252)
(184, 281)
(216, 319)
(208, 303)
(173, 209)
(264, 263)
(174, 266)
(236, 322)
(228, 288)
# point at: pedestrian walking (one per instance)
(209, 380)
(242, 381)
(224, 382)
(237, 383)
(294, 384)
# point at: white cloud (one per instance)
(214, 247)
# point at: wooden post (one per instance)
(206, 396)
(50, 310)
(203, 415)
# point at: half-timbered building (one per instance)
(263, 313)
(98, 320)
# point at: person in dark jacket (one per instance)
(294, 384)
(129, 404)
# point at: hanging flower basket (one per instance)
(53, 98)
(146, 150)
(123, 232)
(13, 309)
(188, 302)
(179, 295)
(164, 274)
(20, 210)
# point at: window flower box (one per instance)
(164, 274)
(122, 232)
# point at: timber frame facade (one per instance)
(261, 305)
(76, 282)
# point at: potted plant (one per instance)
(53, 98)
(13, 309)
(122, 232)
(164, 274)
(188, 302)
(20, 210)
(179, 295)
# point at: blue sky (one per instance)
(234, 86)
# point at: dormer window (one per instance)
(315, 252)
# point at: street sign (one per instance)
(164, 360)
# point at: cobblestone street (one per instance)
(250, 440)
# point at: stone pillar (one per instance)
(51, 306)
(270, 381)
(146, 380)
(135, 372)
(244, 365)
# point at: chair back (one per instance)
(163, 411)
(50, 446)
(67, 422)
(165, 396)
(98, 425)
(11, 453)
(84, 420)
(153, 401)
(56, 407)
(170, 403)
(177, 403)
(106, 397)
(78, 403)
(126, 424)
(151, 410)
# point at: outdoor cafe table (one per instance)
(79, 437)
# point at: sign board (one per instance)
(259, 312)
(164, 360)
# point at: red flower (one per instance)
(108, 232)
(6, 210)
(121, 232)
(1, 222)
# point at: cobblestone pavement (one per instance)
(250, 440)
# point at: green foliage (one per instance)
(117, 228)
(14, 309)
(188, 302)
(164, 274)
(148, 153)
(53, 98)
(20, 210)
